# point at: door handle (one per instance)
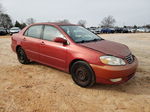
(24, 39)
(42, 43)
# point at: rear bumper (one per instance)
(114, 74)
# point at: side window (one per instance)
(50, 33)
(34, 31)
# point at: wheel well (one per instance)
(72, 62)
(17, 47)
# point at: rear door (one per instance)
(31, 41)
(52, 53)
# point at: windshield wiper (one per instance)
(95, 39)
(83, 41)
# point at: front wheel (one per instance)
(22, 56)
(82, 74)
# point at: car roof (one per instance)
(57, 24)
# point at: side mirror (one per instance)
(60, 40)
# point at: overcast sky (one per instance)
(126, 12)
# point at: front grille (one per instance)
(130, 58)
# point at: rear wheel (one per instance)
(82, 74)
(22, 56)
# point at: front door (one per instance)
(53, 53)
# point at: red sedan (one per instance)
(74, 49)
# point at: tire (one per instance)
(22, 57)
(82, 74)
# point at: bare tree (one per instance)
(108, 21)
(82, 22)
(5, 20)
(30, 21)
(65, 21)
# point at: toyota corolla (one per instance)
(73, 49)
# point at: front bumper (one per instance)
(110, 74)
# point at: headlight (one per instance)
(112, 60)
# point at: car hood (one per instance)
(108, 47)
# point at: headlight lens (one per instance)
(112, 60)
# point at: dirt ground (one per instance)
(38, 88)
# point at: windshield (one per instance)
(80, 34)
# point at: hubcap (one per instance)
(81, 74)
(21, 55)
